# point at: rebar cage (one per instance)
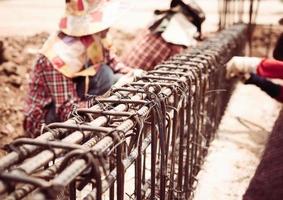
(146, 139)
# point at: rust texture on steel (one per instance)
(146, 139)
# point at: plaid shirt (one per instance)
(47, 86)
(148, 50)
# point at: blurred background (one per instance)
(26, 17)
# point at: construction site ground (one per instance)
(233, 155)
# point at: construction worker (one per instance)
(174, 29)
(73, 63)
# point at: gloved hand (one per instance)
(239, 66)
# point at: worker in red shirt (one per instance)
(267, 183)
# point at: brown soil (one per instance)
(16, 60)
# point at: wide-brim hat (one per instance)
(86, 17)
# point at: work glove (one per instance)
(239, 66)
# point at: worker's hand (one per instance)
(244, 77)
(239, 66)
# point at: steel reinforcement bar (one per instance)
(146, 140)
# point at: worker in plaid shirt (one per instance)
(73, 63)
(173, 30)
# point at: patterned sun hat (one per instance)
(86, 17)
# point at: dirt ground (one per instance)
(19, 53)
